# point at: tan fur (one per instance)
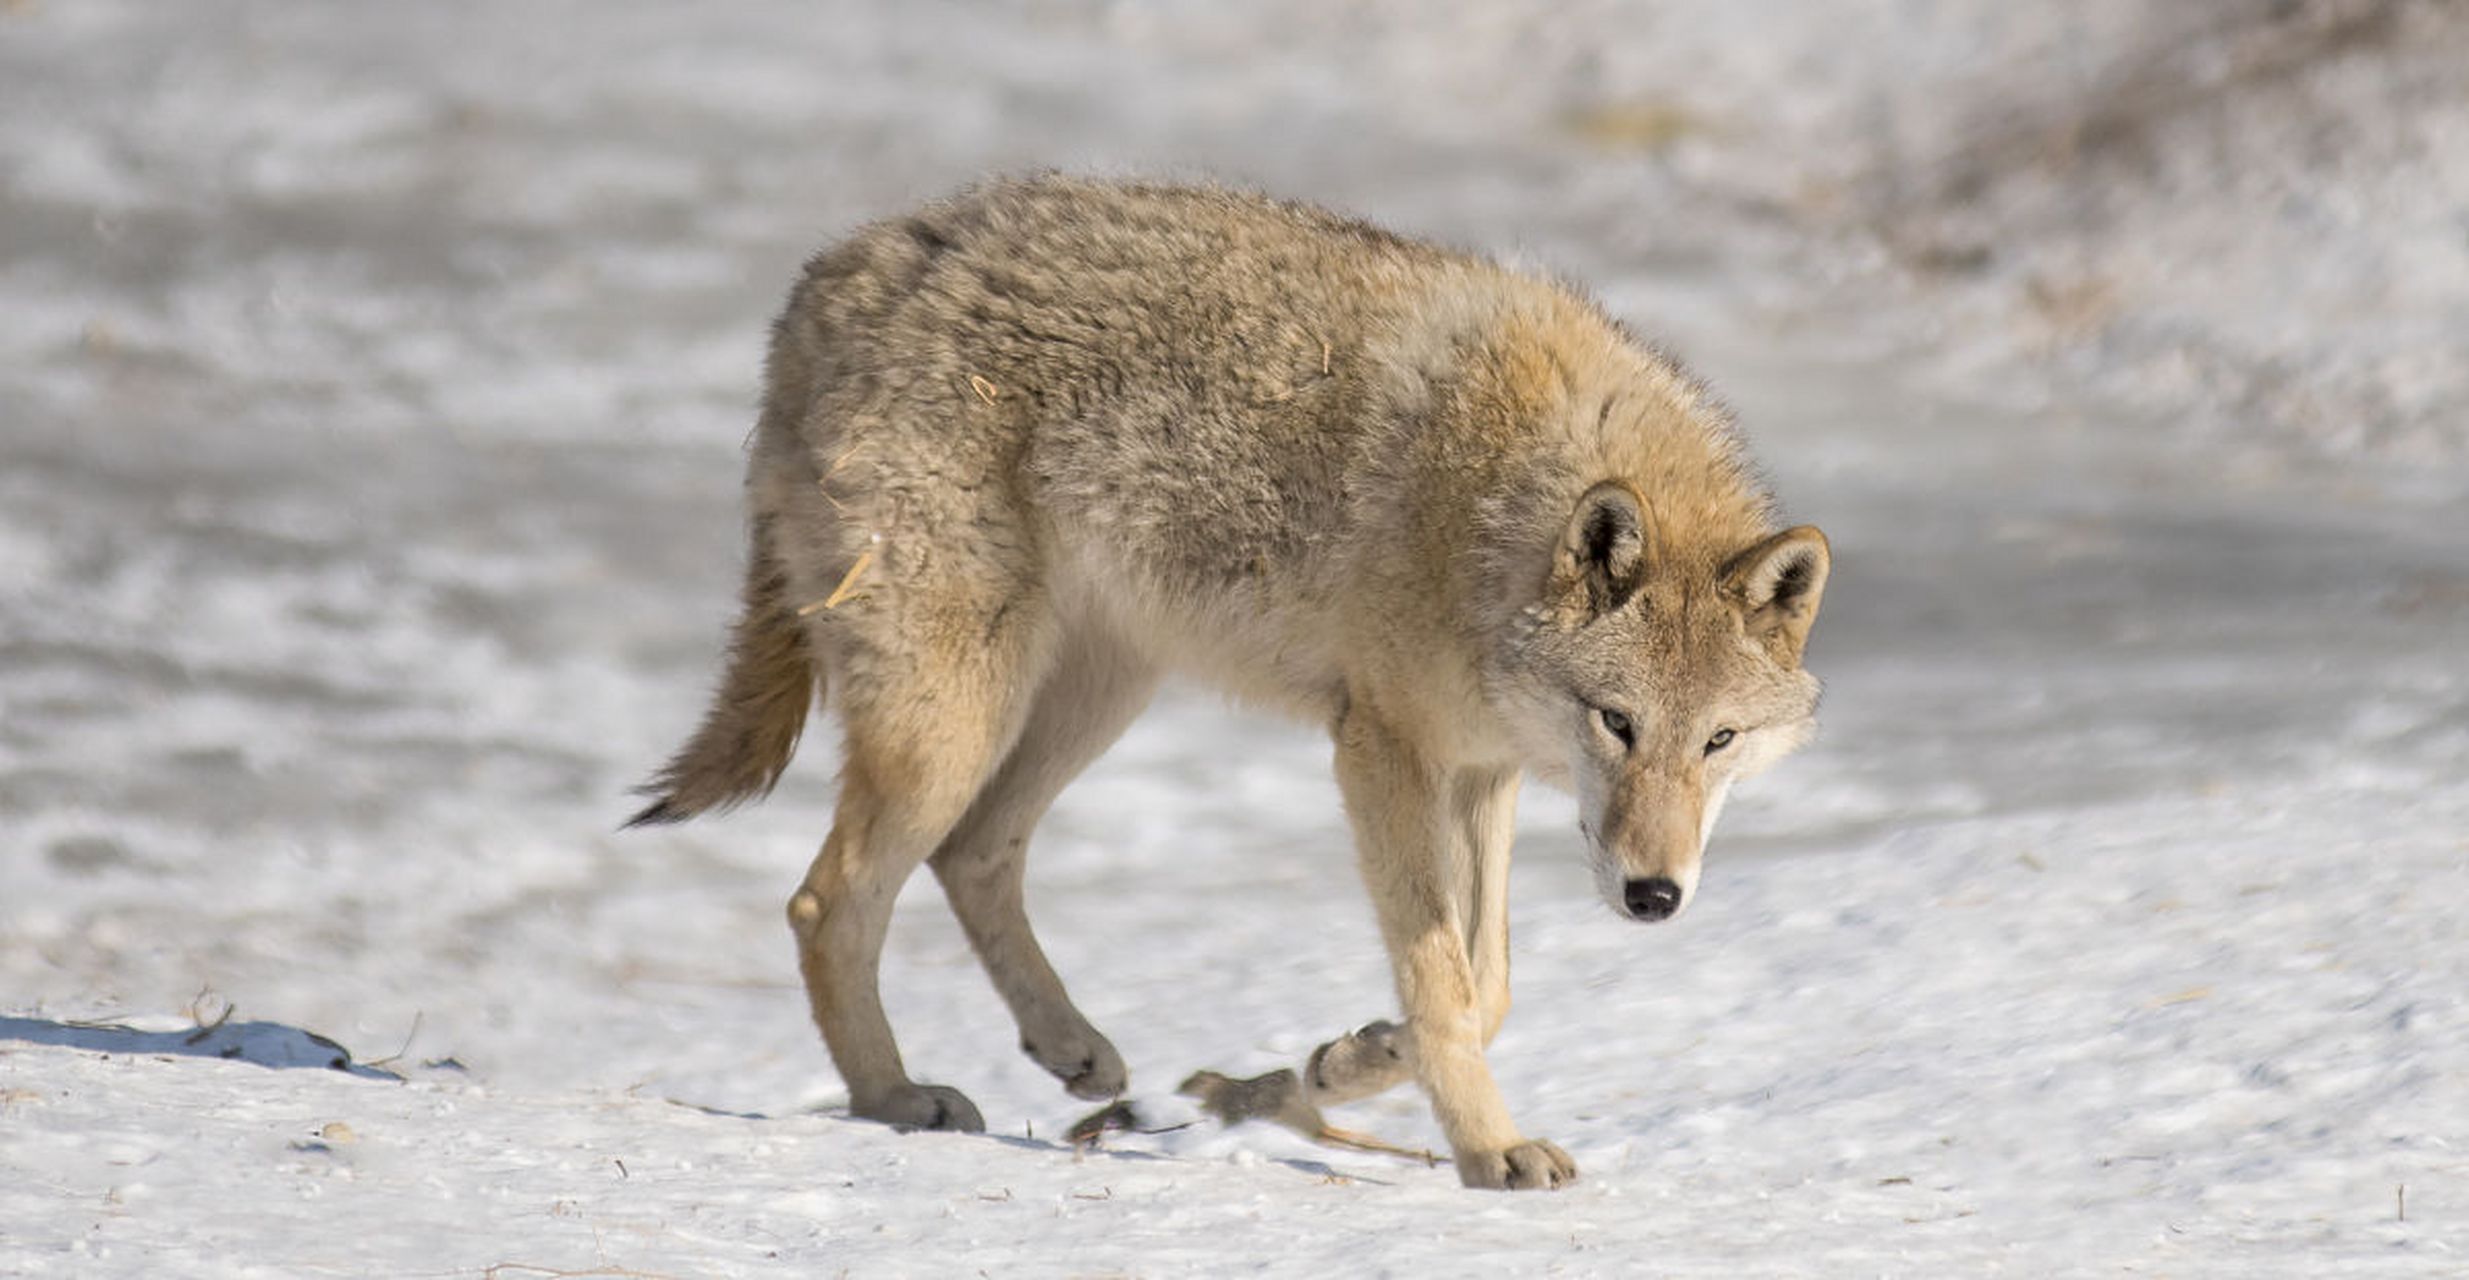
(1025, 450)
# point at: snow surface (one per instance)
(370, 388)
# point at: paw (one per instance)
(1532, 1165)
(1363, 1062)
(922, 1106)
(1087, 1065)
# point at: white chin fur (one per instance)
(1714, 810)
(1609, 879)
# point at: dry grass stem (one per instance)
(824, 485)
(1331, 1135)
(397, 1056)
(847, 587)
(204, 1028)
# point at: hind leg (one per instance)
(1097, 687)
(926, 723)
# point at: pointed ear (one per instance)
(1602, 555)
(1777, 583)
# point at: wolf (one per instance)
(1024, 451)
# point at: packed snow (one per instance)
(371, 387)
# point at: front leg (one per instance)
(1482, 820)
(1418, 866)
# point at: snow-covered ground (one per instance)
(371, 381)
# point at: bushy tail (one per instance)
(751, 729)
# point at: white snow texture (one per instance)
(371, 386)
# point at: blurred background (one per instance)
(372, 380)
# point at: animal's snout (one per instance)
(1651, 898)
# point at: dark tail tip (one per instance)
(659, 813)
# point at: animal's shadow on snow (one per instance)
(1313, 1168)
(1101, 1151)
(1045, 1146)
(267, 1044)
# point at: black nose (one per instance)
(1652, 898)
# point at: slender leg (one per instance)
(926, 726)
(1415, 865)
(1097, 687)
(1378, 1056)
(1483, 809)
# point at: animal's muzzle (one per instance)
(1651, 898)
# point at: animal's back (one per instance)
(1185, 386)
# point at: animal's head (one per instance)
(1658, 676)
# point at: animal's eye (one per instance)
(1618, 726)
(1723, 738)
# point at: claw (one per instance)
(1532, 1165)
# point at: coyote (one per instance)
(1025, 450)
